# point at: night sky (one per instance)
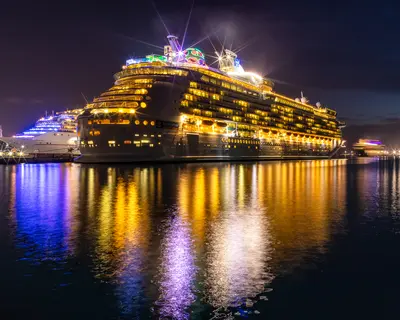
(344, 54)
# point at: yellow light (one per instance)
(143, 104)
(131, 111)
(152, 123)
(183, 118)
(1, 153)
(105, 110)
(137, 122)
(21, 153)
(121, 110)
(10, 153)
(145, 122)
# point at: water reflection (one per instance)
(177, 238)
(43, 209)
(177, 270)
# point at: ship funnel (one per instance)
(303, 98)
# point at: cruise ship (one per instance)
(175, 107)
(52, 135)
(369, 148)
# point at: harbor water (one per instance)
(266, 240)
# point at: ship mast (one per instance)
(173, 51)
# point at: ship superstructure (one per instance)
(175, 107)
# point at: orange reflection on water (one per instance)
(172, 235)
(238, 246)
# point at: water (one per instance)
(312, 239)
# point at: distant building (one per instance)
(369, 148)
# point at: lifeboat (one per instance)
(208, 122)
(221, 124)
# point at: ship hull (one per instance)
(93, 159)
(172, 145)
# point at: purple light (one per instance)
(177, 272)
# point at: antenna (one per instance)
(161, 19)
(84, 98)
(187, 23)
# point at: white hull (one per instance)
(48, 143)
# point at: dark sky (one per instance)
(345, 54)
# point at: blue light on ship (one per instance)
(45, 125)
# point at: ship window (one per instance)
(145, 122)
(111, 143)
(94, 132)
(152, 123)
(151, 145)
(137, 122)
(127, 142)
(136, 135)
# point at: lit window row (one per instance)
(134, 81)
(109, 121)
(241, 103)
(252, 116)
(240, 85)
(190, 97)
(240, 141)
(124, 91)
(199, 93)
(151, 71)
(129, 86)
(114, 110)
(114, 104)
(110, 98)
(225, 110)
